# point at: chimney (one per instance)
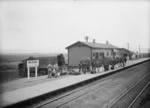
(86, 38)
(94, 41)
(107, 42)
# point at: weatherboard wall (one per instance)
(78, 53)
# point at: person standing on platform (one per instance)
(56, 69)
(60, 61)
(79, 67)
(125, 60)
(49, 68)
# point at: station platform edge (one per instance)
(22, 94)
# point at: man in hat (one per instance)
(49, 68)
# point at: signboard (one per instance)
(32, 63)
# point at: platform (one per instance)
(40, 86)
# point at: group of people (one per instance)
(90, 69)
(53, 70)
(101, 65)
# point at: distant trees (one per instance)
(31, 58)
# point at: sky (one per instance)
(37, 26)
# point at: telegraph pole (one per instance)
(139, 49)
(128, 46)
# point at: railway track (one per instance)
(70, 94)
(127, 99)
(94, 87)
(135, 102)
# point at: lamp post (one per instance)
(139, 49)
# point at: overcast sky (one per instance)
(50, 26)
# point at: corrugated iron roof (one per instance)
(95, 45)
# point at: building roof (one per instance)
(94, 45)
(126, 50)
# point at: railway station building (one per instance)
(90, 50)
(125, 52)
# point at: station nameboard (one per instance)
(32, 63)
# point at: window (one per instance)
(107, 53)
(96, 55)
(93, 54)
(111, 52)
(101, 54)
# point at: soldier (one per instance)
(49, 68)
(79, 68)
(56, 69)
(125, 59)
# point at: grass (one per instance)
(8, 76)
(8, 71)
(9, 65)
